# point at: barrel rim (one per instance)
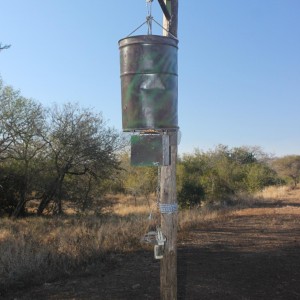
(147, 73)
(158, 129)
(151, 39)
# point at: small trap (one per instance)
(157, 239)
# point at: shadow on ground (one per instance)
(248, 255)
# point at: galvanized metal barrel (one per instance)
(149, 82)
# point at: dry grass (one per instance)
(284, 196)
(39, 249)
(193, 218)
(128, 206)
(282, 200)
(35, 250)
(30, 246)
(274, 192)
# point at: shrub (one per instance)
(190, 194)
(219, 174)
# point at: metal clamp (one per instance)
(168, 208)
(160, 237)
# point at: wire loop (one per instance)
(149, 20)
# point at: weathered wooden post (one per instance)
(168, 267)
(149, 85)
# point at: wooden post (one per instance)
(168, 265)
(171, 26)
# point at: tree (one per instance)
(79, 143)
(6, 94)
(86, 192)
(4, 47)
(10, 183)
(220, 173)
(44, 152)
(288, 166)
(138, 181)
(190, 194)
(21, 122)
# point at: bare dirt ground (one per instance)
(251, 254)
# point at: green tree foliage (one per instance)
(79, 144)
(6, 95)
(190, 194)
(44, 152)
(218, 174)
(288, 167)
(21, 123)
(138, 181)
(10, 183)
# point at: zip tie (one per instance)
(166, 208)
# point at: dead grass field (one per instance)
(247, 252)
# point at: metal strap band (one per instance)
(168, 208)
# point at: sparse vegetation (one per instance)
(38, 249)
(222, 174)
(66, 159)
(52, 154)
(288, 167)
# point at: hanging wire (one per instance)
(153, 218)
(149, 23)
(149, 6)
(173, 36)
(137, 29)
(149, 17)
(149, 20)
(158, 186)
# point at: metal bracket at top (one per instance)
(164, 9)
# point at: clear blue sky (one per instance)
(239, 64)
